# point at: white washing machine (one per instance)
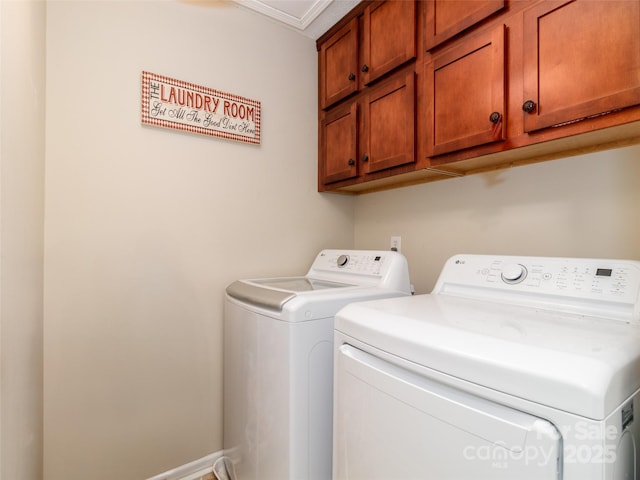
(513, 368)
(278, 361)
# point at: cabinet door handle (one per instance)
(352, 76)
(494, 117)
(365, 158)
(529, 106)
(351, 162)
(365, 68)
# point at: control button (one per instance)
(343, 260)
(514, 273)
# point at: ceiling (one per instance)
(312, 18)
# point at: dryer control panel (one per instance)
(601, 287)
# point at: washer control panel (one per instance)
(374, 268)
(368, 263)
(546, 280)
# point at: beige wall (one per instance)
(22, 46)
(145, 227)
(584, 206)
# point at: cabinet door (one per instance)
(389, 121)
(339, 65)
(339, 147)
(447, 18)
(465, 94)
(389, 37)
(581, 59)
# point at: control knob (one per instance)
(514, 273)
(343, 260)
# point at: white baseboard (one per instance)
(192, 470)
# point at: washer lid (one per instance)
(583, 365)
(273, 293)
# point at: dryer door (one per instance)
(392, 423)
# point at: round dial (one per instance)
(343, 260)
(514, 273)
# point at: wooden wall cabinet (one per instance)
(389, 124)
(349, 60)
(445, 19)
(546, 72)
(465, 93)
(389, 38)
(339, 65)
(496, 84)
(581, 59)
(339, 144)
(368, 106)
(374, 133)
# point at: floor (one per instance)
(208, 476)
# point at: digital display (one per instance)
(603, 272)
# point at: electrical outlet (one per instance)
(396, 244)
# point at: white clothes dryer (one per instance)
(278, 361)
(512, 368)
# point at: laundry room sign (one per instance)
(171, 103)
